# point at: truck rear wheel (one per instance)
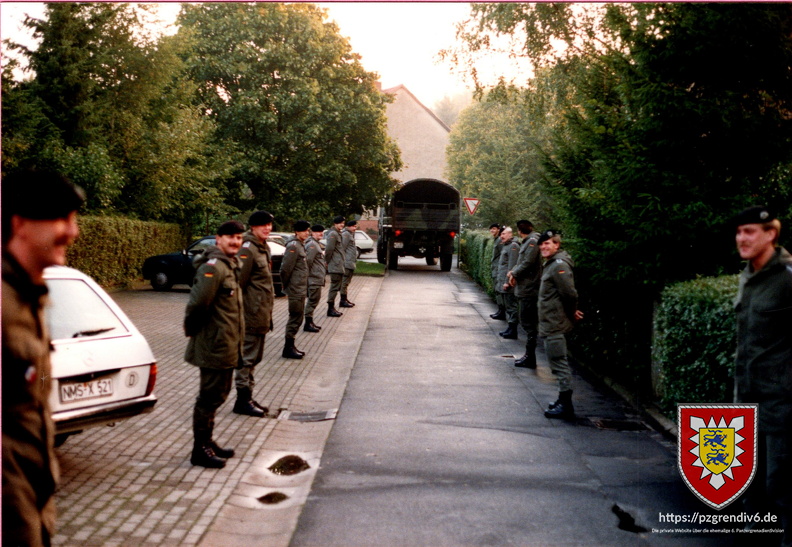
(431, 260)
(393, 259)
(445, 262)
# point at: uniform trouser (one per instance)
(529, 319)
(314, 296)
(335, 286)
(252, 351)
(556, 350)
(296, 315)
(214, 388)
(511, 307)
(28, 512)
(348, 273)
(770, 490)
(498, 294)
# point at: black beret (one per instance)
(260, 218)
(317, 228)
(495, 225)
(40, 195)
(351, 223)
(548, 234)
(230, 228)
(754, 215)
(302, 225)
(338, 220)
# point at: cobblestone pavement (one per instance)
(133, 484)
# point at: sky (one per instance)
(397, 40)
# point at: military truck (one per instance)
(421, 220)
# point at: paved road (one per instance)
(439, 440)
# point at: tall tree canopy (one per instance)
(306, 120)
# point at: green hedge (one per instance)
(475, 256)
(112, 249)
(694, 342)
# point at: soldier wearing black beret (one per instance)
(294, 276)
(763, 372)
(39, 221)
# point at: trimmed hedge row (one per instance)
(112, 249)
(694, 342)
(475, 256)
(694, 336)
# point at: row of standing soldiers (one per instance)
(535, 289)
(230, 311)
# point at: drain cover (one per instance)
(315, 416)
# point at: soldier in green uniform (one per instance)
(39, 221)
(258, 294)
(525, 277)
(334, 255)
(317, 271)
(215, 323)
(763, 373)
(558, 314)
(350, 260)
(495, 230)
(510, 251)
(294, 276)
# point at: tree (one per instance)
(304, 118)
(494, 156)
(111, 109)
(449, 108)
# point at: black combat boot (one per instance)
(562, 408)
(510, 333)
(309, 326)
(224, 453)
(332, 312)
(244, 404)
(526, 361)
(289, 352)
(314, 325)
(346, 303)
(203, 454)
(500, 315)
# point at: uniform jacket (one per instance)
(214, 319)
(508, 259)
(557, 295)
(528, 270)
(30, 466)
(495, 262)
(764, 342)
(294, 269)
(334, 252)
(314, 259)
(255, 280)
(350, 249)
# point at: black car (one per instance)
(171, 269)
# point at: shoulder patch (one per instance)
(246, 245)
(212, 261)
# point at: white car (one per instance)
(103, 370)
(363, 242)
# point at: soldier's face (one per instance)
(262, 232)
(339, 225)
(302, 236)
(229, 243)
(506, 235)
(317, 235)
(45, 241)
(494, 231)
(549, 247)
(753, 240)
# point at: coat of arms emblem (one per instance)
(716, 450)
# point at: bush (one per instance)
(112, 249)
(475, 256)
(694, 342)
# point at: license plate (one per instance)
(398, 245)
(80, 391)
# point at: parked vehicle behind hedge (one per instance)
(165, 271)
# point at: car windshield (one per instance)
(201, 245)
(76, 311)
